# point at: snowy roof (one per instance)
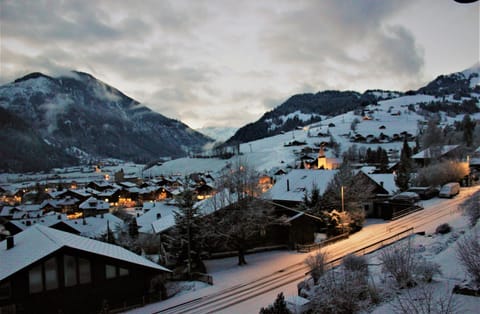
(220, 200)
(27, 214)
(95, 226)
(128, 184)
(427, 153)
(386, 180)
(92, 202)
(149, 222)
(46, 220)
(38, 242)
(299, 182)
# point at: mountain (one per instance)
(72, 118)
(304, 109)
(459, 84)
(220, 134)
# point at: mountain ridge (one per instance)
(78, 111)
(293, 113)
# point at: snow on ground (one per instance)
(436, 248)
(440, 249)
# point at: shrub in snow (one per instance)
(443, 229)
(406, 266)
(341, 291)
(471, 207)
(316, 263)
(355, 263)
(424, 300)
(425, 270)
(399, 261)
(468, 253)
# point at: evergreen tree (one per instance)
(432, 136)
(278, 307)
(133, 228)
(405, 166)
(186, 239)
(468, 127)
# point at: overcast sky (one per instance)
(226, 62)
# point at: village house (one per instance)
(290, 189)
(50, 271)
(93, 207)
(424, 157)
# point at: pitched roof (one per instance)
(37, 242)
(148, 222)
(429, 153)
(95, 226)
(386, 180)
(294, 185)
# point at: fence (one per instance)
(406, 211)
(305, 248)
(371, 247)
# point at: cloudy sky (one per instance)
(226, 62)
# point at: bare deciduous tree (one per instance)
(246, 217)
(468, 253)
(316, 263)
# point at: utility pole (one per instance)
(343, 205)
(189, 262)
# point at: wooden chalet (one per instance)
(50, 271)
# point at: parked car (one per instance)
(449, 190)
(405, 197)
(424, 192)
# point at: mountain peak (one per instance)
(33, 75)
(75, 111)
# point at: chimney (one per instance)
(159, 215)
(59, 217)
(288, 185)
(381, 183)
(10, 242)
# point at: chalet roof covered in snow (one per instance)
(386, 180)
(430, 153)
(294, 185)
(95, 226)
(38, 242)
(158, 217)
(48, 220)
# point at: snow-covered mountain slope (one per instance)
(80, 113)
(383, 124)
(301, 110)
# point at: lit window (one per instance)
(70, 270)
(84, 271)
(51, 274)
(110, 271)
(35, 279)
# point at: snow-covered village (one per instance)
(311, 199)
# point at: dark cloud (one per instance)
(327, 37)
(218, 61)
